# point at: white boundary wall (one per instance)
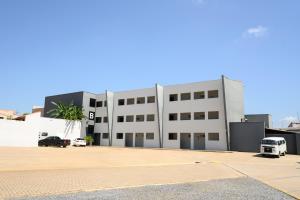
(26, 133)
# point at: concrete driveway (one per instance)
(47, 171)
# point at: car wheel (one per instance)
(64, 146)
(284, 153)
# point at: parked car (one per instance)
(79, 142)
(54, 141)
(273, 146)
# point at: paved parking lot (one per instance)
(239, 188)
(27, 172)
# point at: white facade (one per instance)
(203, 111)
(189, 116)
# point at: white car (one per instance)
(273, 146)
(79, 142)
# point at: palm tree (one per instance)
(89, 139)
(68, 112)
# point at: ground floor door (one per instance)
(97, 137)
(128, 139)
(199, 141)
(139, 139)
(185, 140)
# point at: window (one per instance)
(105, 103)
(121, 102)
(185, 96)
(98, 119)
(130, 101)
(99, 104)
(150, 118)
(149, 136)
(92, 102)
(44, 134)
(213, 115)
(213, 136)
(91, 115)
(140, 118)
(140, 100)
(105, 119)
(173, 97)
(172, 136)
(199, 115)
(199, 95)
(119, 136)
(172, 116)
(213, 94)
(129, 118)
(151, 99)
(105, 135)
(185, 116)
(120, 118)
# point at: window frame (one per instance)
(185, 98)
(97, 120)
(128, 118)
(129, 100)
(150, 115)
(210, 96)
(195, 113)
(140, 102)
(121, 102)
(150, 99)
(99, 104)
(150, 138)
(199, 96)
(173, 95)
(213, 139)
(119, 136)
(173, 114)
(120, 119)
(185, 113)
(210, 112)
(173, 138)
(136, 118)
(92, 103)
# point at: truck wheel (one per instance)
(284, 153)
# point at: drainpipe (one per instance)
(225, 113)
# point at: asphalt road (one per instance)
(238, 188)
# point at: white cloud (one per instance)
(256, 32)
(287, 120)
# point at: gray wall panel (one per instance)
(290, 141)
(76, 98)
(246, 137)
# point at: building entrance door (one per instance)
(128, 139)
(96, 138)
(139, 140)
(185, 140)
(199, 141)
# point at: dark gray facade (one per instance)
(292, 139)
(76, 98)
(260, 118)
(246, 136)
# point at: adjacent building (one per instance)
(188, 116)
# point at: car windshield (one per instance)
(273, 142)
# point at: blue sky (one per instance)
(57, 46)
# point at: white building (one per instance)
(191, 116)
